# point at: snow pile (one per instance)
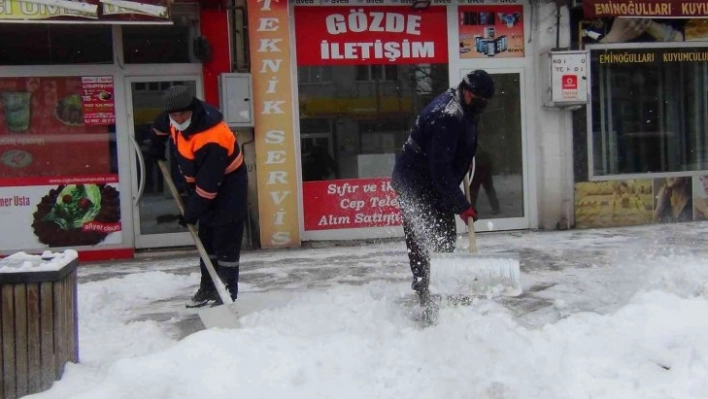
(21, 262)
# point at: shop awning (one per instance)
(645, 8)
(88, 11)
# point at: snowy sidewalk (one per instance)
(606, 314)
(578, 268)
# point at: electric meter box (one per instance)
(236, 99)
(566, 78)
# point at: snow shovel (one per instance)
(468, 274)
(222, 316)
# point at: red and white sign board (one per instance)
(349, 204)
(97, 100)
(569, 71)
(370, 35)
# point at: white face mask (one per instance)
(181, 126)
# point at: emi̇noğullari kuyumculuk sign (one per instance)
(491, 31)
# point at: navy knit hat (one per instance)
(479, 83)
(177, 99)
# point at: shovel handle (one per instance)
(220, 288)
(470, 222)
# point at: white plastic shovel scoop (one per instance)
(222, 316)
(471, 274)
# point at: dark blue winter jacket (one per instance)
(438, 153)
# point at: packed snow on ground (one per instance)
(357, 341)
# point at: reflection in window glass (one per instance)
(47, 44)
(156, 205)
(314, 74)
(649, 115)
(45, 130)
(377, 72)
(497, 187)
(163, 44)
(352, 127)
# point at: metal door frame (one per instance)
(512, 223)
(150, 240)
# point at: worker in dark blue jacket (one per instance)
(430, 168)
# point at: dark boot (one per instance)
(206, 292)
(229, 275)
(420, 286)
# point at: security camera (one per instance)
(591, 34)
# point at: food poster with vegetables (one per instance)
(66, 214)
(491, 31)
(56, 126)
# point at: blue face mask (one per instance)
(181, 126)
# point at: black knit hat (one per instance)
(177, 99)
(480, 83)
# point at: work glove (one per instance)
(469, 213)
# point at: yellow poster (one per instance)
(271, 53)
(46, 9)
(64, 11)
(613, 203)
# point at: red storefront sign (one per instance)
(645, 8)
(370, 35)
(348, 204)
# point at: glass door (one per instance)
(155, 214)
(498, 187)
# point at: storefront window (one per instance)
(361, 123)
(165, 44)
(364, 75)
(47, 44)
(58, 162)
(649, 110)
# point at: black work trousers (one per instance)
(222, 241)
(427, 228)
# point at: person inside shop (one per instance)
(318, 164)
(674, 202)
(430, 167)
(483, 169)
(211, 162)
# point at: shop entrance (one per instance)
(155, 214)
(500, 181)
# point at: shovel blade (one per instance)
(476, 274)
(222, 316)
(229, 315)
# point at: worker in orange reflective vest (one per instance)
(211, 162)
